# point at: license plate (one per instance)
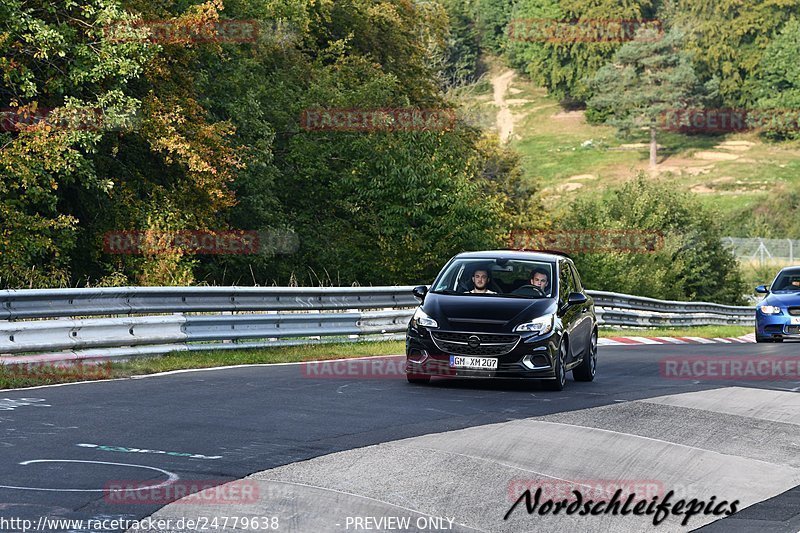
(476, 363)
(795, 321)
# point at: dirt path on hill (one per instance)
(505, 120)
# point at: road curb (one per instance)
(639, 341)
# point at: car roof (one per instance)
(790, 270)
(512, 254)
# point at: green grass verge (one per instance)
(702, 331)
(34, 375)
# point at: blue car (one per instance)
(778, 315)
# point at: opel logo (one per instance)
(474, 341)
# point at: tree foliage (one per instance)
(647, 79)
(692, 263)
(213, 141)
(728, 38)
(777, 87)
(564, 64)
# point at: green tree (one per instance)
(492, 17)
(727, 39)
(463, 45)
(57, 62)
(563, 64)
(647, 78)
(777, 87)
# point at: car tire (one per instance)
(588, 367)
(561, 374)
(418, 379)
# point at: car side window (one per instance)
(565, 281)
(577, 279)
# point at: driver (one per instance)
(540, 279)
(480, 278)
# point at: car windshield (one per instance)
(786, 281)
(510, 278)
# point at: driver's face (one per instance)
(539, 280)
(480, 278)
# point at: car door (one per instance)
(570, 315)
(585, 316)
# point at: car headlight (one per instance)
(540, 325)
(421, 318)
(770, 309)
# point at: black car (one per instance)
(504, 314)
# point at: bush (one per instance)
(692, 263)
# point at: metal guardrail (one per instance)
(641, 303)
(53, 303)
(33, 321)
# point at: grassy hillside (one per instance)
(569, 157)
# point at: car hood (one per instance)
(484, 313)
(783, 299)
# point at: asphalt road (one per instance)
(322, 450)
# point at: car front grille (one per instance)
(794, 311)
(491, 344)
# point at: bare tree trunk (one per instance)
(653, 148)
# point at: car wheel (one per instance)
(418, 379)
(588, 367)
(561, 374)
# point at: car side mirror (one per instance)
(420, 292)
(576, 298)
(762, 289)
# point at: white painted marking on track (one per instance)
(700, 340)
(670, 340)
(609, 342)
(172, 478)
(9, 404)
(644, 340)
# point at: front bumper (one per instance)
(777, 326)
(532, 357)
